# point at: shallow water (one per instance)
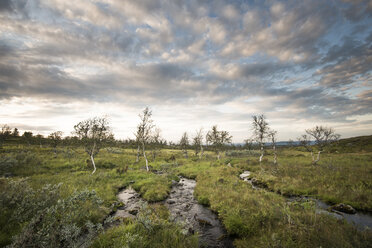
(197, 218)
(361, 220)
(183, 209)
(132, 203)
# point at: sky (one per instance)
(194, 63)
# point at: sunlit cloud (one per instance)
(195, 63)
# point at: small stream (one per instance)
(132, 203)
(197, 218)
(184, 209)
(361, 220)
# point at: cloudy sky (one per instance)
(194, 63)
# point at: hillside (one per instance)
(351, 145)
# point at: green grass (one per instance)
(336, 178)
(255, 218)
(265, 219)
(155, 231)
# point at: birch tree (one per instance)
(272, 136)
(260, 129)
(322, 136)
(144, 131)
(198, 143)
(93, 133)
(184, 143)
(217, 139)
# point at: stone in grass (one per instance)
(259, 183)
(133, 211)
(341, 207)
(170, 201)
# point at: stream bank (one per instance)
(360, 220)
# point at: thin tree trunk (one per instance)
(275, 156)
(185, 152)
(144, 155)
(318, 158)
(201, 152)
(312, 157)
(262, 154)
(94, 165)
(218, 155)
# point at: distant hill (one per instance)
(354, 144)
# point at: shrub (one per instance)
(41, 218)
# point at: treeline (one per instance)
(95, 133)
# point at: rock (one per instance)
(245, 174)
(229, 165)
(133, 211)
(170, 201)
(258, 183)
(203, 221)
(341, 207)
(131, 182)
(174, 183)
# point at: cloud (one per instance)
(298, 60)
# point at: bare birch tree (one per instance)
(184, 143)
(93, 133)
(217, 139)
(322, 136)
(198, 143)
(144, 131)
(260, 129)
(272, 136)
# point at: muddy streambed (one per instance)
(132, 203)
(360, 220)
(185, 210)
(197, 218)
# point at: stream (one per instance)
(197, 218)
(360, 220)
(132, 203)
(185, 210)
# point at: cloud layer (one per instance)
(199, 62)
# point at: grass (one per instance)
(152, 230)
(345, 178)
(255, 218)
(265, 219)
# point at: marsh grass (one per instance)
(258, 218)
(255, 218)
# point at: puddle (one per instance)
(360, 220)
(197, 218)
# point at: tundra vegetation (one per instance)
(49, 196)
